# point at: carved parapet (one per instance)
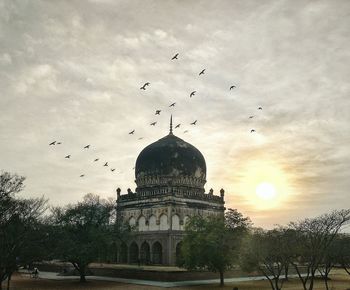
(186, 192)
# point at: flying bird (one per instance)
(172, 105)
(251, 117)
(144, 86)
(192, 94)
(260, 108)
(232, 87)
(140, 138)
(53, 143)
(82, 175)
(194, 123)
(112, 169)
(153, 123)
(175, 56)
(185, 131)
(68, 156)
(96, 159)
(202, 72)
(87, 146)
(106, 164)
(158, 112)
(177, 126)
(252, 130)
(59, 143)
(132, 132)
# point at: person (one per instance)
(36, 272)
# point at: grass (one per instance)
(340, 281)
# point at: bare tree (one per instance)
(18, 220)
(265, 251)
(312, 238)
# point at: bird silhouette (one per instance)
(260, 108)
(202, 72)
(192, 94)
(53, 143)
(194, 123)
(68, 156)
(82, 175)
(87, 146)
(144, 86)
(252, 130)
(175, 56)
(251, 117)
(132, 132)
(96, 159)
(185, 131)
(140, 138)
(177, 126)
(232, 87)
(153, 123)
(112, 169)
(106, 164)
(158, 112)
(172, 105)
(59, 143)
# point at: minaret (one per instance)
(171, 125)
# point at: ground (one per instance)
(340, 281)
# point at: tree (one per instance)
(19, 221)
(341, 247)
(311, 240)
(212, 243)
(265, 251)
(84, 228)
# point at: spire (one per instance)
(171, 125)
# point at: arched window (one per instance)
(153, 223)
(142, 224)
(134, 253)
(145, 253)
(186, 218)
(157, 253)
(163, 222)
(175, 220)
(132, 222)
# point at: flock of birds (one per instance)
(157, 112)
(85, 147)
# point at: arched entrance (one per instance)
(157, 257)
(178, 252)
(145, 253)
(123, 253)
(134, 253)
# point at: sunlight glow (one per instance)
(265, 190)
(264, 185)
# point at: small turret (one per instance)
(222, 192)
(118, 192)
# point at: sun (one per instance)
(265, 191)
(264, 184)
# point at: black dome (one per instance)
(170, 157)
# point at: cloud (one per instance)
(71, 71)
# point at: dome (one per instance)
(170, 159)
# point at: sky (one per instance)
(71, 71)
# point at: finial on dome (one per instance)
(171, 125)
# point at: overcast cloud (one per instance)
(71, 71)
